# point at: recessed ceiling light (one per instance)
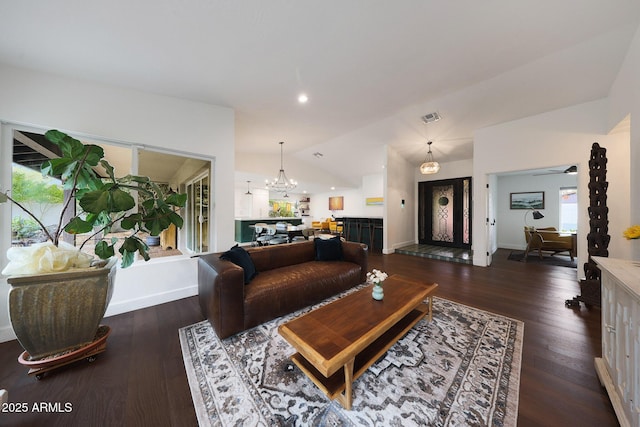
(303, 98)
(333, 188)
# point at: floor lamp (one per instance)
(536, 215)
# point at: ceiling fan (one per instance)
(571, 170)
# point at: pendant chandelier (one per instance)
(248, 193)
(429, 165)
(281, 183)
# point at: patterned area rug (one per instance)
(463, 368)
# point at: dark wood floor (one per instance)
(140, 379)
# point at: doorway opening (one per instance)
(444, 213)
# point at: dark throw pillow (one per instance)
(328, 249)
(240, 257)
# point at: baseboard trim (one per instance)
(7, 334)
(403, 244)
(512, 247)
(151, 300)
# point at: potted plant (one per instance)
(58, 308)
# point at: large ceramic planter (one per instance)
(58, 312)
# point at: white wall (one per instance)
(254, 205)
(86, 109)
(354, 200)
(400, 219)
(547, 140)
(510, 222)
(624, 100)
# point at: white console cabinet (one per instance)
(619, 366)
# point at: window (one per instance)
(41, 195)
(45, 197)
(568, 210)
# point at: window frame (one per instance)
(6, 160)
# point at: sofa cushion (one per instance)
(283, 290)
(328, 249)
(241, 258)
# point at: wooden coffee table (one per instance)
(337, 343)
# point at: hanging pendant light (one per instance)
(429, 166)
(281, 183)
(248, 193)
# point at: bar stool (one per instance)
(365, 230)
(258, 230)
(357, 222)
(347, 228)
(375, 224)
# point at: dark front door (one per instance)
(444, 212)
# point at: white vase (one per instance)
(378, 292)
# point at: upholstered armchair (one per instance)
(321, 225)
(335, 227)
(548, 240)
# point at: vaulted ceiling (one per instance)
(371, 69)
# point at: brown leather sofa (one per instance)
(289, 278)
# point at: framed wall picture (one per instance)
(336, 203)
(527, 200)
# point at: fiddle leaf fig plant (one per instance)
(135, 202)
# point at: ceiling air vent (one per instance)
(431, 117)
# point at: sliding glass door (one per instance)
(198, 214)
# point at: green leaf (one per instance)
(154, 226)
(101, 220)
(59, 167)
(94, 154)
(69, 146)
(95, 201)
(176, 219)
(130, 221)
(176, 199)
(110, 200)
(88, 179)
(143, 249)
(104, 250)
(130, 246)
(136, 178)
(148, 204)
(55, 136)
(107, 167)
(78, 226)
(127, 258)
(122, 201)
